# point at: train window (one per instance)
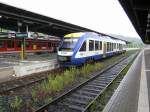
(1, 44)
(107, 46)
(42, 44)
(83, 47)
(27, 44)
(53, 44)
(96, 45)
(121, 46)
(10, 43)
(112, 46)
(38, 44)
(18, 43)
(100, 45)
(91, 45)
(49, 45)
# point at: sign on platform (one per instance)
(21, 35)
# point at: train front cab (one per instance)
(86, 49)
(66, 50)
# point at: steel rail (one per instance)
(80, 87)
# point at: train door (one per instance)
(10, 45)
(104, 49)
(2, 45)
(83, 50)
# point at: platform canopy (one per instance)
(11, 18)
(139, 13)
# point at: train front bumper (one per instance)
(68, 61)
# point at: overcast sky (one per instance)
(105, 16)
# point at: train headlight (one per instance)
(64, 58)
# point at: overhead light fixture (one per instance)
(29, 22)
(148, 15)
(50, 24)
(0, 16)
(19, 24)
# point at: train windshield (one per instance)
(68, 44)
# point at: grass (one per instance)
(55, 83)
(45, 91)
(16, 104)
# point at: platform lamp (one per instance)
(19, 25)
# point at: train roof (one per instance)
(103, 37)
(110, 39)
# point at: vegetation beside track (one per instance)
(56, 83)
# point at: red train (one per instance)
(9, 43)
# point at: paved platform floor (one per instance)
(6, 73)
(147, 72)
(133, 93)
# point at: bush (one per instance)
(74, 71)
(66, 79)
(86, 69)
(45, 86)
(57, 84)
(69, 76)
(34, 94)
(16, 104)
(98, 66)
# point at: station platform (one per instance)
(10, 69)
(133, 93)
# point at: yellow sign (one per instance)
(72, 35)
(34, 47)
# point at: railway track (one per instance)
(18, 83)
(12, 85)
(81, 97)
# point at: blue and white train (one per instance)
(79, 48)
